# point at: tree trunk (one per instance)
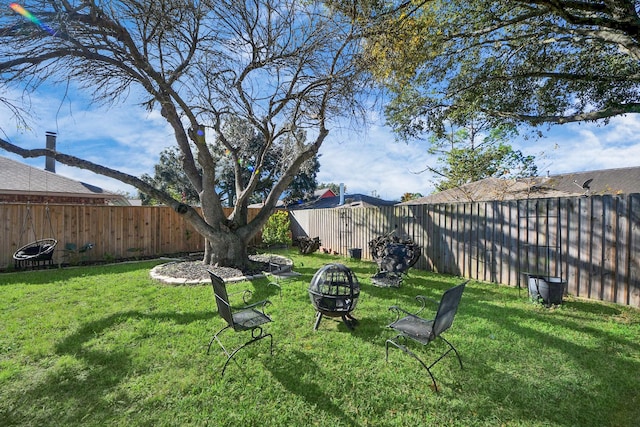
(226, 250)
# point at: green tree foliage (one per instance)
(512, 61)
(170, 177)
(410, 196)
(471, 153)
(276, 230)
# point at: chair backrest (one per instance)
(448, 308)
(222, 298)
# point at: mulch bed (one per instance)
(197, 270)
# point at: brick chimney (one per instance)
(50, 162)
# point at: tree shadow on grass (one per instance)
(45, 276)
(292, 377)
(75, 385)
(547, 333)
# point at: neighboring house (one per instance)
(21, 183)
(350, 201)
(323, 193)
(599, 182)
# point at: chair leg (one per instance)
(215, 338)
(318, 319)
(412, 354)
(233, 353)
(254, 337)
(454, 350)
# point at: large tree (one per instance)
(286, 67)
(533, 62)
(474, 152)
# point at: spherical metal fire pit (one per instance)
(334, 292)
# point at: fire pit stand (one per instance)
(334, 292)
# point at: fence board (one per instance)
(621, 291)
(633, 278)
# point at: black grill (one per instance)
(334, 292)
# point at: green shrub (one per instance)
(276, 230)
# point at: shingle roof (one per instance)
(598, 182)
(19, 178)
(350, 200)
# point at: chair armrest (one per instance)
(246, 296)
(423, 302)
(263, 303)
(399, 311)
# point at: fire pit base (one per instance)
(349, 321)
(385, 279)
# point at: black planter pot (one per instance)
(355, 253)
(547, 289)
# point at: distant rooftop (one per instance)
(597, 182)
(20, 178)
(350, 200)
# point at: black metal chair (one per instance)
(423, 331)
(279, 273)
(247, 318)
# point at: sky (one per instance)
(368, 161)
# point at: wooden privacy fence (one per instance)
(116, 232)
(593, 243)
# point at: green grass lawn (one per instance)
(105, 345)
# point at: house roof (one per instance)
(598, 182)
(324, 192)
(350, 201)
(20, 178)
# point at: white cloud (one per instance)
(583, 147)
(372, 160)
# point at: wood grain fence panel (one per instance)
(479, 241)
(423, 215)
(453, 266)
(466, 236)
(454, 247)
(501, 232)
(493, 240)
(633, 273)
(437, 241)
(512, 244)
(609, 252)
(596, 260)
(483, 272)
(419, 234)
(622, 234)
(469, 226)
(446, 221)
